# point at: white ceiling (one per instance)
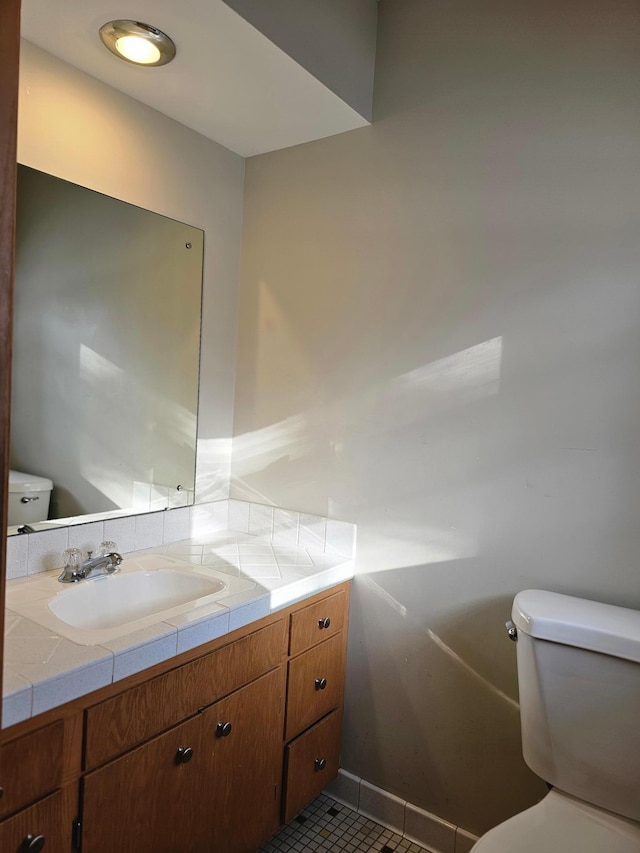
(227, 81)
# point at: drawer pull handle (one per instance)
(184, 755)
(32, 844)
(324, 623)
(320, 763)
(223, 729)
(321, 683)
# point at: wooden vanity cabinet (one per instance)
(209, 754)
(242, 743)
(147, 800)
(46, 826)
(315, 692)
(211, 783)
(42, 753)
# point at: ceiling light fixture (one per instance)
(137, 43)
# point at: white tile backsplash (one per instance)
(122, 531)
(286, 525)
(149, 530)
(87, 537)
(260, 520)
(208, 518)
(177, 525)
(239, 516)
(17, 552)
(41, 551)
(45, 549)
(313, 530)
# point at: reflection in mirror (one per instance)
(106, 354)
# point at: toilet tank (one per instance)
(579, 685)
(28, 498)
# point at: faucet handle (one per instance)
(107, 547)
(72, 558)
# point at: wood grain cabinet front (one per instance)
(31, 767)
(317, 622)
(311, 762)
(243, 774)
(212, 783)
(316, 684)
(46, 826)
(147, 800)
(141, 712)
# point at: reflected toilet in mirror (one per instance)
(29, 498)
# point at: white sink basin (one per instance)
(110, 601)
(148, 589)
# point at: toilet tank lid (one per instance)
(578, 622)
(20, 482)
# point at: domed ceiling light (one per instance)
(138, 43)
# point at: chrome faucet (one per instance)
(108, 563)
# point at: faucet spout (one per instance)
(107, 563)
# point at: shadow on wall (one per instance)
(443, 664)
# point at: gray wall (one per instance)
(439, 340)
(335, 40)
(74, 127)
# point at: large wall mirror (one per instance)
(106, 354)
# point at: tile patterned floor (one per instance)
(326, 825)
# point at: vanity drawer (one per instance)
(311, 762)
(31, 767)
(50, 818)
(315, 685)
(125, 720)
(317, 622)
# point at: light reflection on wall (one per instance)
(384, 421)
(116, 423)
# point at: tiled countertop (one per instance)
(43, 670)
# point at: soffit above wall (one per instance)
(228, 81)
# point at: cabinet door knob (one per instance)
(223, 729)
(324, 623)
(320, 763)
(32, 844)
(321, 683)
(184, 755)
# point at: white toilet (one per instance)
(579, 684)
(28, 498)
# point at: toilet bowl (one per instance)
(28, 498)
(561, 823)
(579, 685)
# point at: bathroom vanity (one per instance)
(210, 750)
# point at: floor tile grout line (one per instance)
(326, 825)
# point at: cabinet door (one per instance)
(147, 800)
(242, 737)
